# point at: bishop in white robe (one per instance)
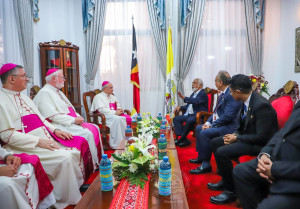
(24, 130)
(107, 103)
(57, 109)
(19, 185)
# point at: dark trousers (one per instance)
(183, 130)
(225, 153)
(253, 190)
(204, 138)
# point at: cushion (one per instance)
(209, 101)
(284, 107)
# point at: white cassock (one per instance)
(117, 124)
(54, 105)
(63, 166)
(21, 190)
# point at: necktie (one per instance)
(219, 101)
(245, 111)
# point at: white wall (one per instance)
(59, 19)
(281, 20)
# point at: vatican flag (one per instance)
(170, 82)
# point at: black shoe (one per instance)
(84, 187)
(177, 142)
(216, 187)
(195, 161)
(223, 198)
(185, 143)
(201, 170)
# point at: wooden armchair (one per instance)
(210, 93)
(92, 117)
(202, 116)
(33, 91)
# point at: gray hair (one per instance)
(103, 87)
(224, 77)
(49, 77)
(199, 81)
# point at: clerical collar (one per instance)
(8, 91)
(107, 95)
(52, 87)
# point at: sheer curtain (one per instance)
(9, 39)
(115, 60)
(222, 43)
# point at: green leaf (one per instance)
(120, 159)
(140, 160)
(116, 164)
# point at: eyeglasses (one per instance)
(22, 76)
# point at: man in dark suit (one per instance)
(273, 179)
(258, 123)
(223, 121)
(198, 101)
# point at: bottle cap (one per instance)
(128, 126)
(139, 114)
(163, 123)
(104, 156)
(159, 113)
(162, 135)
(165, 158)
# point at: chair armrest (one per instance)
(203, 114)
(127, 112)
(176, 113)
(95, 116)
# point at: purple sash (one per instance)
(33, 122)
(113, 106)
(92, 129)
(44, 184)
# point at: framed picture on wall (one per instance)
(297, 50)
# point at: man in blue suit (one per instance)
(223, 121)
(198, 101)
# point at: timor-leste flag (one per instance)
(134, 76)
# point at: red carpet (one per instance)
(196, 190)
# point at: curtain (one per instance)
(93, 41)
(88, 7)
(254, 26)
(185, 10)
(189, 38)
(222, 43)
(9, 35)
(115, 61)
(156, 11)
(24, 21)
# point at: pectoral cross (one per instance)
(23, 127)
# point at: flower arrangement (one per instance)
(259, 84)
(137, 161)
(148, 125)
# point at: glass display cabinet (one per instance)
(63, 55)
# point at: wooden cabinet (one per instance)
(63, 55)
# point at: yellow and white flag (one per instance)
(170, 77)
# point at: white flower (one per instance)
(132, 167)
(152, 167)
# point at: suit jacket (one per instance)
(260, 124)
(284, 149)
(227, 111)
(199, 103)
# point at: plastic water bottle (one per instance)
(106, 174)
(164, 120)
(128, 134)
(162, 146)
(162, 129)
(165, 177)
(159, 117)
(139, 117)
(134, 126)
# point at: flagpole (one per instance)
(132, 19)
